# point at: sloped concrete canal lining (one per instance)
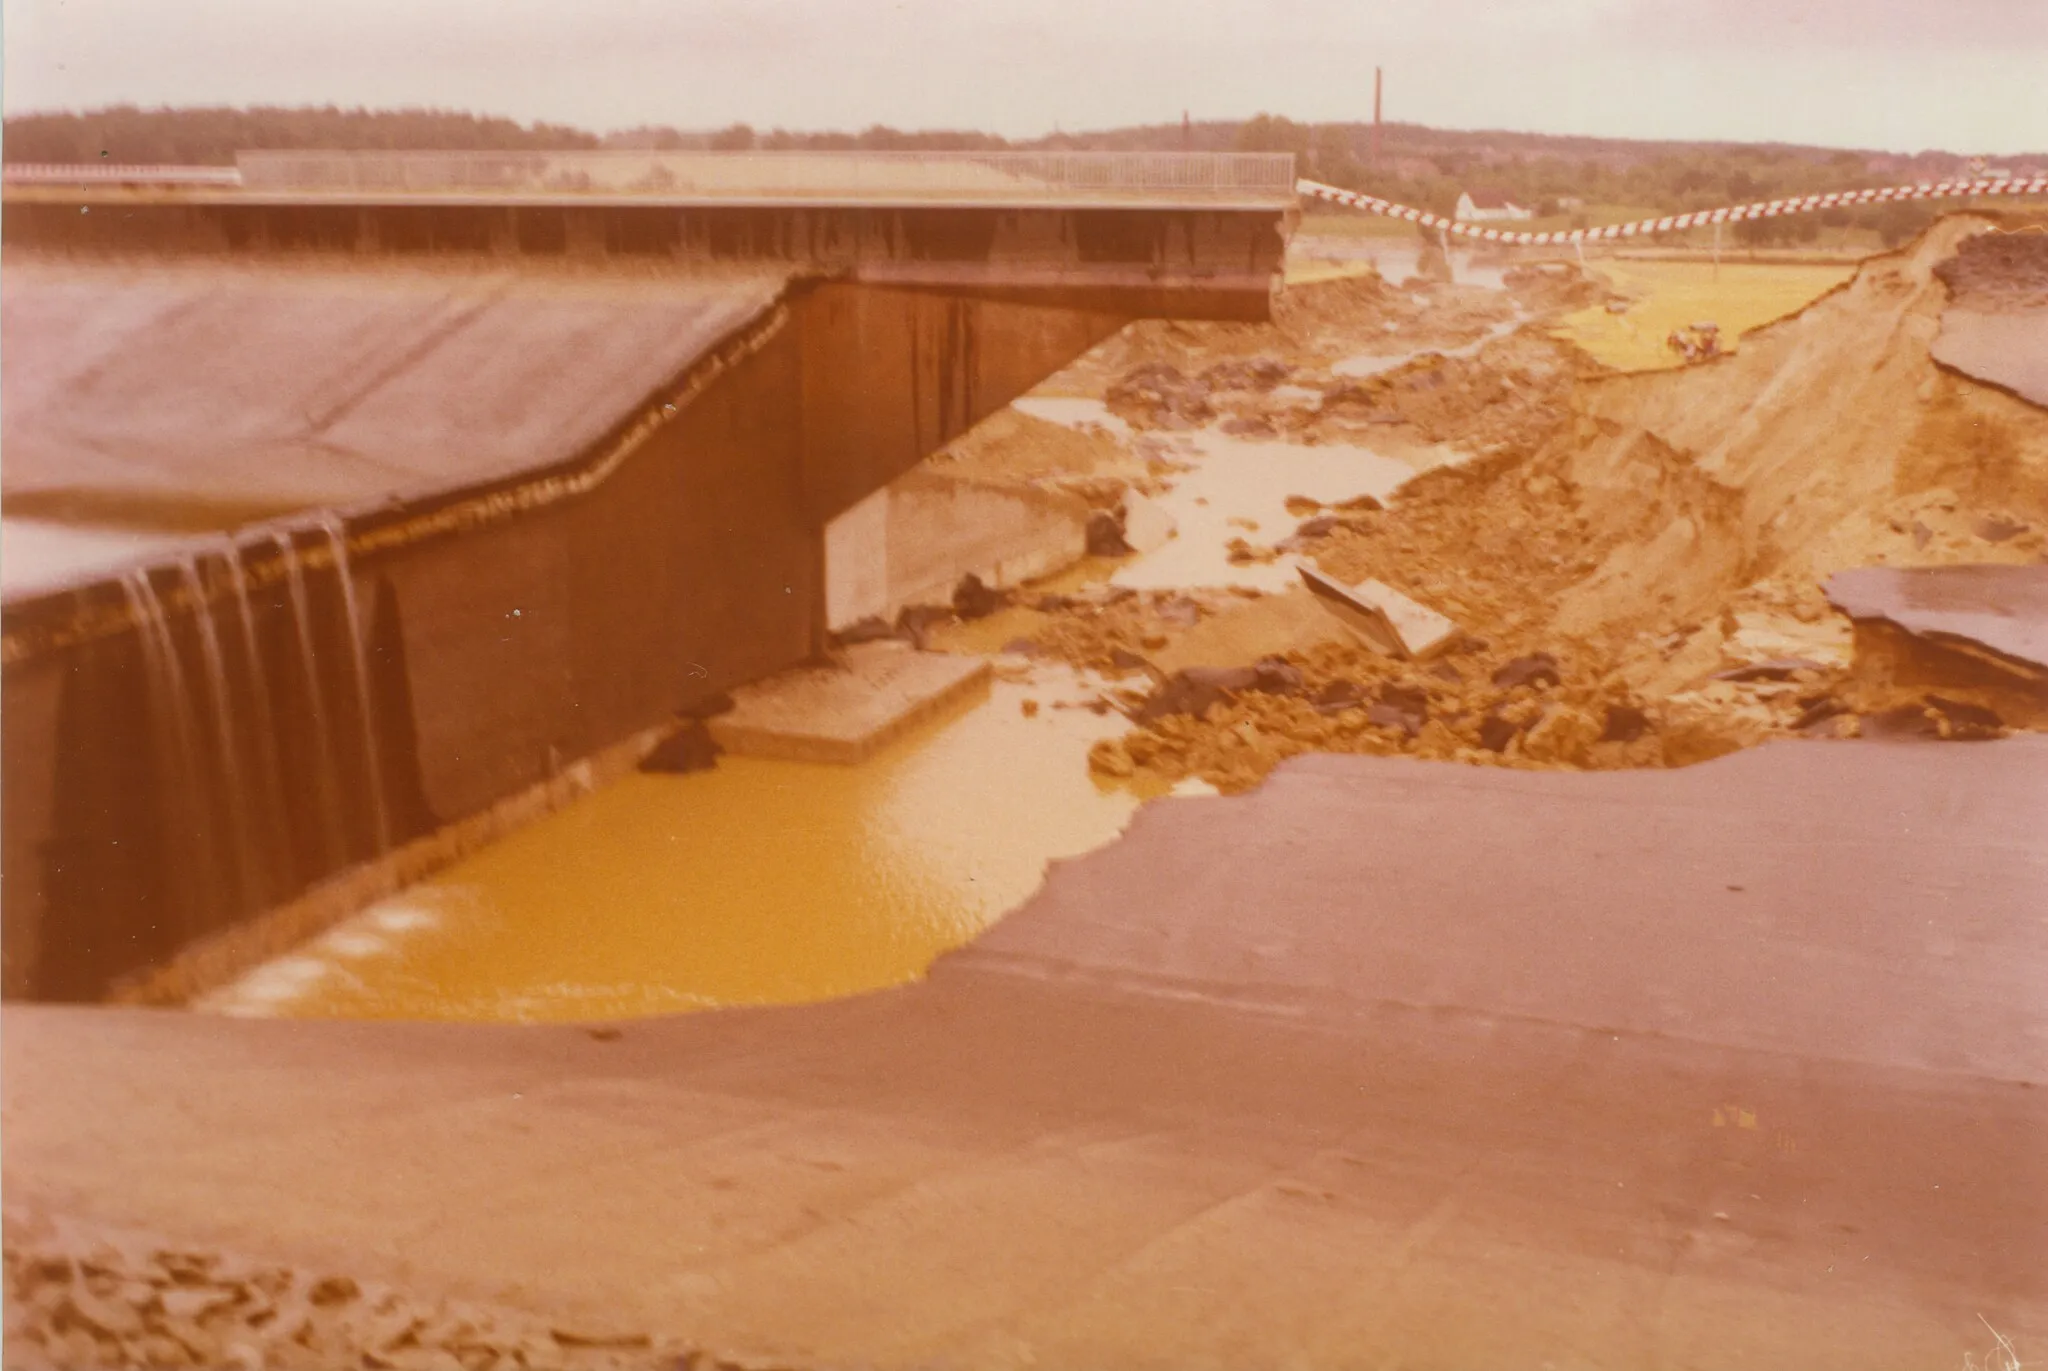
(162, 393)
(521, 545)
(1733, 1065)
(1978, 634)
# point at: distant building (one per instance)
(1565, 202)
(1482, 205)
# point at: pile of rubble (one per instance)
(1229, 726)
(1314, 325)
(1514, 394)
(1657, 543)
(77, 1300)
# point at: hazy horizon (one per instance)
(1881, 75)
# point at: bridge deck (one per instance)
(1127, 180)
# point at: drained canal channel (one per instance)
(1634, 569)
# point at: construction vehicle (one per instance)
(1694, 343)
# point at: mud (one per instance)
(1658, 535)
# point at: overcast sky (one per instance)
(1964, 75)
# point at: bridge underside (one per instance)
(579, 473)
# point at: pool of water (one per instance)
(759, 882)
(1238, 488)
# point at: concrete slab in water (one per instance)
(845, 713)
(1242, 633)
(2001, 609)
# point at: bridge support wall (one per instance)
(1164, 261)
(166, 785)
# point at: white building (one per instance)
(1490, 204)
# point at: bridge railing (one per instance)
(785, 175)
(117, 173)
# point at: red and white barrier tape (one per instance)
(1764, 209)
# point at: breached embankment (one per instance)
(1662, 547)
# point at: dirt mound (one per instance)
(1544, 286)
(1996, 271)
(1514, 392)
(1314, 324)
(1010, 448)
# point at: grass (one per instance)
(1669, 295)
(1342, 223)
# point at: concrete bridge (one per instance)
(354, 498)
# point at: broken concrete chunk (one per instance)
(1902, 721)
(1996, 528)
(1962, 721)
(1337, 696)
(1382, 715)
(1624, 724)
(1496, 732)
(333, 1290)
(1385, 619)
(1322, 526)
(916, 622)
(1537, 670)
(1106, 535)
(1277, 676)
(690, 748)
(1194, 690)
(847, 712)
(973, 599)
(1147, 524)
(1247, 631)
(1777, 669)
(869, 630)
(585, 1337)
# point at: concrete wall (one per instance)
(1163, 260)
(911, 542)
(505, 632)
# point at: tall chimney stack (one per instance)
(1375, 119)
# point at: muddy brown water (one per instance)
(759, 882)
(765, 882)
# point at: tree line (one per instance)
(210, 136)
(1554, 175)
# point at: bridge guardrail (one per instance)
(793, 175)
(116, 173)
